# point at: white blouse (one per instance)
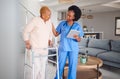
(38, 32)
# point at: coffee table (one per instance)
(89, 70)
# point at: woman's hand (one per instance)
(77, 37)
(27, 44)
(50, 43)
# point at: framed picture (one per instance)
(117, 26)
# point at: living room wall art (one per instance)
(117, 26)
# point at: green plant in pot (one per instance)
(83, 59)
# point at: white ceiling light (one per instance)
(41, 0)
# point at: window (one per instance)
(117, 26)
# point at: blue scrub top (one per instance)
(68, 44)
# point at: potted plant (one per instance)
(85, 28)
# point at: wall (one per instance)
(103, 22)
(11, 45)
(32, 5)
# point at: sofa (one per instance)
(105, 49)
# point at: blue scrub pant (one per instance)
(72, 60)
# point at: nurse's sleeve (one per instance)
(28, 28)
(81, 32)
(58, 29)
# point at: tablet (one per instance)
(72, 33)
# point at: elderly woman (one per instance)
(68, 47)
(36, 34)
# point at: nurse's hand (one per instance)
(77, 37)
(54, 31)
(27, 44)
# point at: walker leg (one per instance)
(33, 74)
(33, 66)
(57, 64)
(25, 62)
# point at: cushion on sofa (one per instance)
(111, 56)
(83, 42)
(115, 45)
(92, 51)
(99, 43)
(112, 64)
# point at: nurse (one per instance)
(68, 47)
(36, 34)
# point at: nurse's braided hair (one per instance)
(77, 12)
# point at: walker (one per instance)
(31, 65)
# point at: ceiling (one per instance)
(93, 5)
